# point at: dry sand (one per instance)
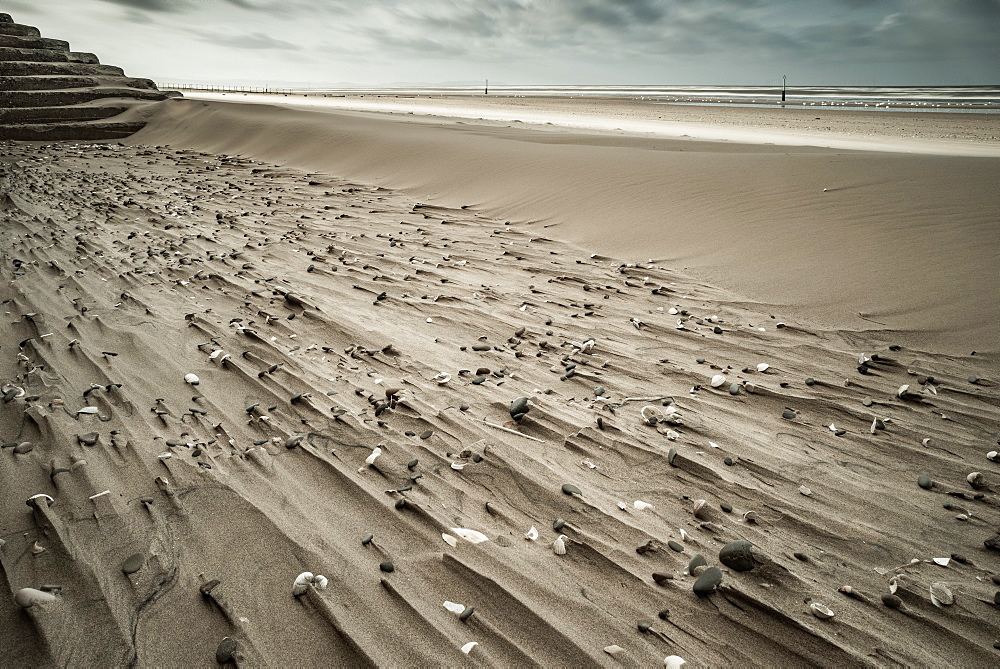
(319, 312)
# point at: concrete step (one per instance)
(19, 30)
(34, 43)
(74, 97)
(60, 82)
(58, 114)
(14, 68)
(33, 55)
(52, 132)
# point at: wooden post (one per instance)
(783, 80)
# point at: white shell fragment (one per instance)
(763, 367)
(559, 545)
(650, 415)
(370, 460)
(941, 595)
(942, 561)
(467, 648)
(88, 410)
(453, 607)
(821, 611)
(472, 536)
(305, 579)
(613, 649)
(450, 540)
(532, 534)
(674, 662)
(639, 505)
(718, 380)
(192, 379)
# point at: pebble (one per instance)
(709, 580)
(570, 489)
(387, 567)
(788, 414)
(867, 401)
(726, 506)
(976, 480)
(697, 561)
(24, 447)
(519, 407)
(28, 597)
(810, 381)
(925, 482)
(727, 461)
(558, 524)
(133, 563)
(224, 653)
(671, 455)
(675, 546)
(88, 439)
(427, 434)
(644, 625)
(598, 391)
(661, 577)
(892, 601)
(663, 614)
(367, 539)
(734, 389)
(737, 555)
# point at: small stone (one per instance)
(663, 614)
(367, 539)
(976, 480)
(467, 613)
(726, 506)
(427, 434)
(698, 560)
(925, 482)
(570, 489)
(737, 555)
(518, 408)
(973, 378)
(28, 597)
(558, 524)
(709, 580)
(387, 567)
(892, 601)
(644, 626)
(24, 447)
(133, 563)
(661, 577)
(675, 546)
(598, 391)
(810, 381)
(734, 389)
(788, 414)
(717, 330)
(727, 461)
(88, 439)
(463, 407)
(867, 401)
(224, 653)
(671, 455)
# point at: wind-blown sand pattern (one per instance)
(358, 358)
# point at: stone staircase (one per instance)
(48, 92)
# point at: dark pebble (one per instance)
(810, 381)
(737, 556)
(570, 489)
(519, 407)
(700, 361)
(467, 613)
(727, 507)
(973, 378)
(224, 653)
(133, 563)
(788, 414)
(662, 578)
(727, 461)
(663, 614)
(674, 546)
(643, 625)
(24, 447)
(412, 463)
(801, 557)
(367, 539)
(598, 391)
(88, 439)
(645, 547)
(892, 601)
(479, 380)
(387, 567)
(867, 401)
(463, 407)
(734, 389)
(717, 330)
(925, 482)
(671, 454)
(426, 434)
(697, 561)
(481, 347)
(410, 433)
(709, 580)
(558, 524)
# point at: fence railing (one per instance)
(166, 86)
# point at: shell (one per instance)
(532, 534)
(942, 561)
(559, 545)
(370, 460)
(613, 649)
(699, 505)
(750, 516)
(453, 607)
(192, 379)
(650, 415)
(821, 611)
(302, 582)
(763, 367)
(674, 662)
(639, 505)
(941, 595)
(450, 540)
(472, 536)
(903, 391)
(718, 380)
(320, 582)
(467, 648)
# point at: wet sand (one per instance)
(366, 337)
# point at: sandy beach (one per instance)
(520, 393)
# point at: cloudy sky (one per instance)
(371, 42)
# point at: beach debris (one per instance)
(763, 367)
(532, 534)
(472, 536)
(650, 415)
(511, 431)
(28, 597)
(941, 595)
(192, 379)
(305, 579)
(441, 378)
(373, 456)
(718, 380)
(805, 490)
(821, 611)
(559, 545)
(942, 561)
(467, 648)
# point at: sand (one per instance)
(363, 300)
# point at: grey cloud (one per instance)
(154, 5)
(251, 41)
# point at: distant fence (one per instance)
(221, 89)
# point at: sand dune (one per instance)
(908, 240)
(361, 354)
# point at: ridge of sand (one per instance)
(844, 239)
(298, 298)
